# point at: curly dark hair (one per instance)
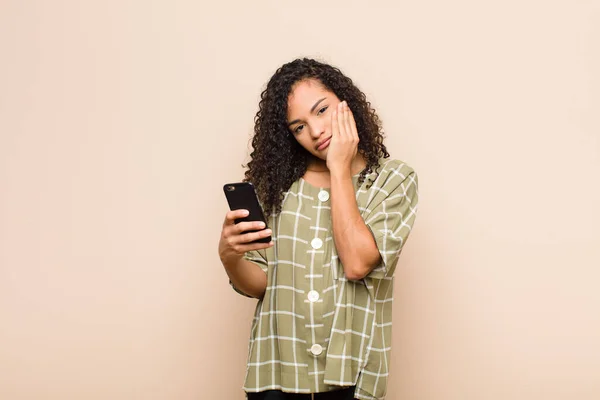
(277, 159)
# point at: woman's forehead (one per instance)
(306, 91)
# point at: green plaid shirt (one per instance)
(314, 330)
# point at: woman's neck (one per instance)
(318, 165)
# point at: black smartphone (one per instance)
(241, 195)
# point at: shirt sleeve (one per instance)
(391, 216)
(257, 257)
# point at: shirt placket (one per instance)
(316, 343)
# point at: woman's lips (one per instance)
(324, 144)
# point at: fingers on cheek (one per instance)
(347, 122)
(342, 120)
(334, 122)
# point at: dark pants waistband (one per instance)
(341, 394)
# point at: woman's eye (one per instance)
(322, 110)
(298, 128)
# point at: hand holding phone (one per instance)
(237, 239)
(244, 226)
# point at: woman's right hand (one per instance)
(234, 243)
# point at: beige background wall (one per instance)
(120, 121)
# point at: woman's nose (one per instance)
(317, 129)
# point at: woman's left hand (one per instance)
(344, 140)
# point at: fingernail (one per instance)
(268, 231)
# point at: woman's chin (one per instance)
(322, 154)
(318, 155)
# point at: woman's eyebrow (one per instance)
(316, 104)
(311, 110)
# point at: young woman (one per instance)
(339, 211)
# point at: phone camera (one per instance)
(230, 188)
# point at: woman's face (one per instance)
(310, 106)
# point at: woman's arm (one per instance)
(247, 277)
(354, 242)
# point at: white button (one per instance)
(313, 296)
(323, 195)
(316, 243)
(316, 349)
